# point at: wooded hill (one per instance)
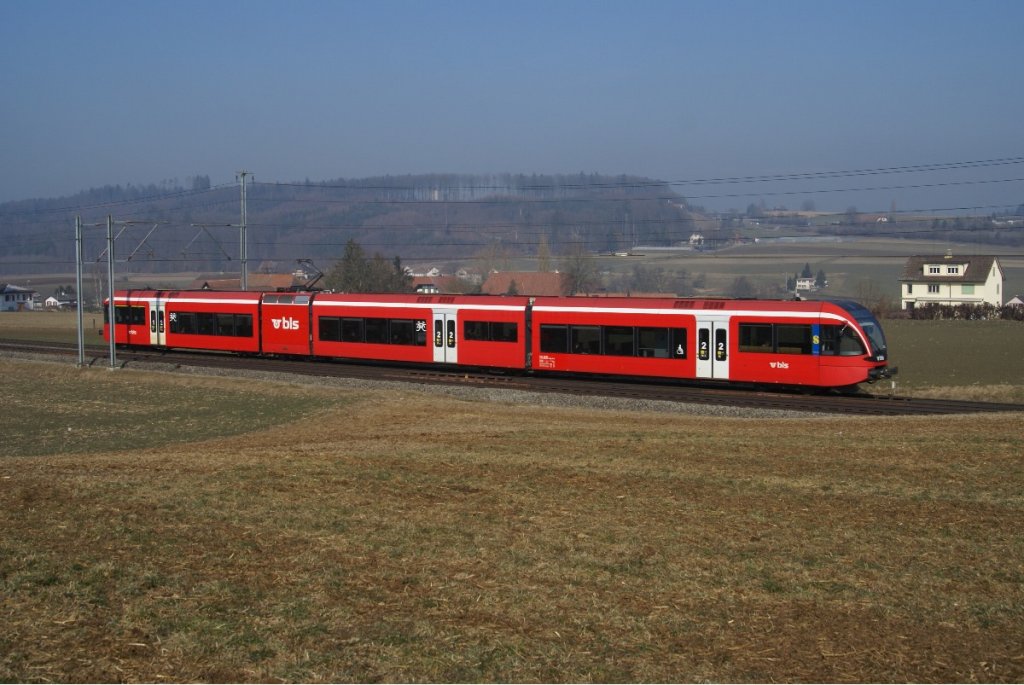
(194, 226)
(423, 219)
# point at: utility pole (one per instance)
(79, 295)
(111, 309)
(242, 249)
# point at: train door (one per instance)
(446, 338)
(157, 317)
(713, 347)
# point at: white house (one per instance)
(805, 284)
(15, 299)
(949, 279)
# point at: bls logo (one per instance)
(779, 365)
(288, 324)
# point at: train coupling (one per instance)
(881, 372)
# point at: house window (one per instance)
(953, 270)
(967, 289)
(934, 269)
(933, 289)
(910, 288)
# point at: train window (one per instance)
(490, 331)
(793, 339)
(408, 332)
(225, 324)
(243, 325)
(302, 299)
(721, 345)
(376, 331)
(475, 330)
(755, 337)
(352, 330)
(206, 323)
(270, 299)
(403, 332)
(554, 338)
(586, 339)
(618, 340)
(504, 331)
(678, 343)
(330, 328)
(841, 340)
(183, 322)
(133, 316)
(653, 342)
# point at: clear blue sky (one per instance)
(109, 92)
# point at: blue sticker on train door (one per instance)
(815, 338)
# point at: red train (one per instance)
(823, 344)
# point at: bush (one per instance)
(967, 312)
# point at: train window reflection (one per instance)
(841, 340)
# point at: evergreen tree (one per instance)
(355, 273)
(351, 273)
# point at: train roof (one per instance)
(417, 298)
(610, 303)
(233, 295)
(698, 303)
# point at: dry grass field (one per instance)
(267, 531)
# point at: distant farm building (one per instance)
(16, 299)
(951, 280)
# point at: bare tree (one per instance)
(579, 271)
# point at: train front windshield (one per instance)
(871, 327)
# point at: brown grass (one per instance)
(404, 537)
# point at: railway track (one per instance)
(859, 404)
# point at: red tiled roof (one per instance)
(531, 283)
(444, 284)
